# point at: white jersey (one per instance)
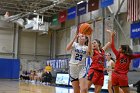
(78, 55)
(109, 65)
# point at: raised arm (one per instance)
(107, 45)
(69, 46)
(89, 45)
(112, 35)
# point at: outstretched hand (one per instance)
(111, 32)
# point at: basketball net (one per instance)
(109, 23)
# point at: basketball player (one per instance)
(77, 69)
(110, 64)
(123, 58)
(109, 68)
(95, 73)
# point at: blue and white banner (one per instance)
(71, 13)
(105, 3)
(135, 30)
(81, 8)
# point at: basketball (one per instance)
(85, 29)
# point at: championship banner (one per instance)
(71, 13)
(55, 20)
(105, 3)
(93, 5)
(135, 30)
(62, 16)
(81, 8)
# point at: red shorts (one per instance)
(120, 80)
(96, 76)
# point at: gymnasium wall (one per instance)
(34, 49)
(32, 44)
(6, 39)
(27, 64)
(62, 39)
(116, 5)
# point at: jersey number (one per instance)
(78, 57)
(123, 60)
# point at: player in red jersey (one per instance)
(123, 58)
(95, 73)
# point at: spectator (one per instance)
(46, 77)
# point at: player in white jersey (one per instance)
(77, 68)
(109, 67)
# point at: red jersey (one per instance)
(122, 60)
(98, 60)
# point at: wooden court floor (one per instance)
(8, 86)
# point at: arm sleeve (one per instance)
(113, 47)
(135, 56)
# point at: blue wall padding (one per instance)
(9, 68)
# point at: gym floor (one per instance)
(14, 86)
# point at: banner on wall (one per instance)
(62, 16)
(71, 13)
(81, 8)
(93, 5)
(135, 30)
(57, 63)
(105, 3)
(55, 20)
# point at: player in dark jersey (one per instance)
(123, 58)
(95, 73)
